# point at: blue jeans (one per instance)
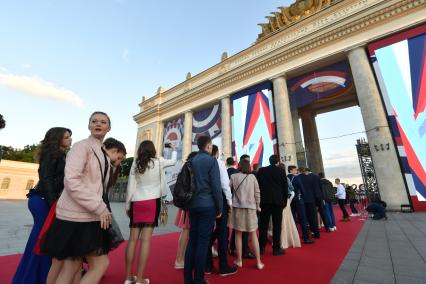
(329, 208)
(202, 221)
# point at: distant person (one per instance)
(289, 234)
(246, 249)
(221, 227)
(255, 168)
(145, 188)
(82, 216)
(298, 203)
(34, 268)
(378, 209)
(245, 202)
(319, 199)
(2, 125)
(309, 185)
(182, 222)
(341, 197)
(206, 205)
(273, 198)
(328, 193)
(351, 195)
(230, 166)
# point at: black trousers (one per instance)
(268, 210)
(221, 234)
(311, 215)
(343, 208)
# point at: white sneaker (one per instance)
(134, 279)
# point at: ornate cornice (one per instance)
(286, 52)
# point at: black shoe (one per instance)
(208, 270)
(229, 270)
(262, 250)
(277, 252)
(249, 255)
(317, 237)
(309, 242)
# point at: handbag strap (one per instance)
(104, 173)
(235, 191)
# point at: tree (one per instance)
(126, 166)
(2, 122)
(28, 154)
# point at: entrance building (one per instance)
(310, 58)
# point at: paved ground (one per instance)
(392, 251)
(16, 223)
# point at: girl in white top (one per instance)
(146, 183)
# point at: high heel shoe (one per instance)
(260, 266)
(238, 264)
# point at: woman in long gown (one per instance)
(289, 233)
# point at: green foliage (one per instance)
(28, 154)
(125, 167)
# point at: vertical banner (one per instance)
(253, 124)
(399, 62)
(173, 133)
(207, 122)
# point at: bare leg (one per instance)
(130, 251)
(183, 241)
(77, 277)
(67, 273)
(144, 251)
(239, 247)
(255, 246)
(54, 270)
(97, 267)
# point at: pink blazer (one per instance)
(81, 200)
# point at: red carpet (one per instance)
(315, 263)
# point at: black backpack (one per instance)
(185, 187)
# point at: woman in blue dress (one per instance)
(33, 268)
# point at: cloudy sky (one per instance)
(62, 60)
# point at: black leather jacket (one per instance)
(51, 177)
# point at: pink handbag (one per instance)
(144, 211)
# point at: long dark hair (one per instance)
(52, 142)
(146, 152)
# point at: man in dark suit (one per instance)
(310, 184)
(273, 198)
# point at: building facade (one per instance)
(17, 178)
(310, 58)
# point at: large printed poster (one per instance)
(207, 122)
(173, 133)
(253, 124)
(400, 66)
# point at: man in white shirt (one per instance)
(341, 197)
(221, 231)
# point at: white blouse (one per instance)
(151, 184)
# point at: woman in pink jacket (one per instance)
(81, 214)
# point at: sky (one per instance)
(62, 60)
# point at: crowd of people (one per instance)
(239, 209)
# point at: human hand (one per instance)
(106, 219)
(219, 215)
(259, 209)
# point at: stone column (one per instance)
(187, 135)
(159, 138)
(285, 133)
(312, 144)
(300, 150)
(226, 128)
(386, 165)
